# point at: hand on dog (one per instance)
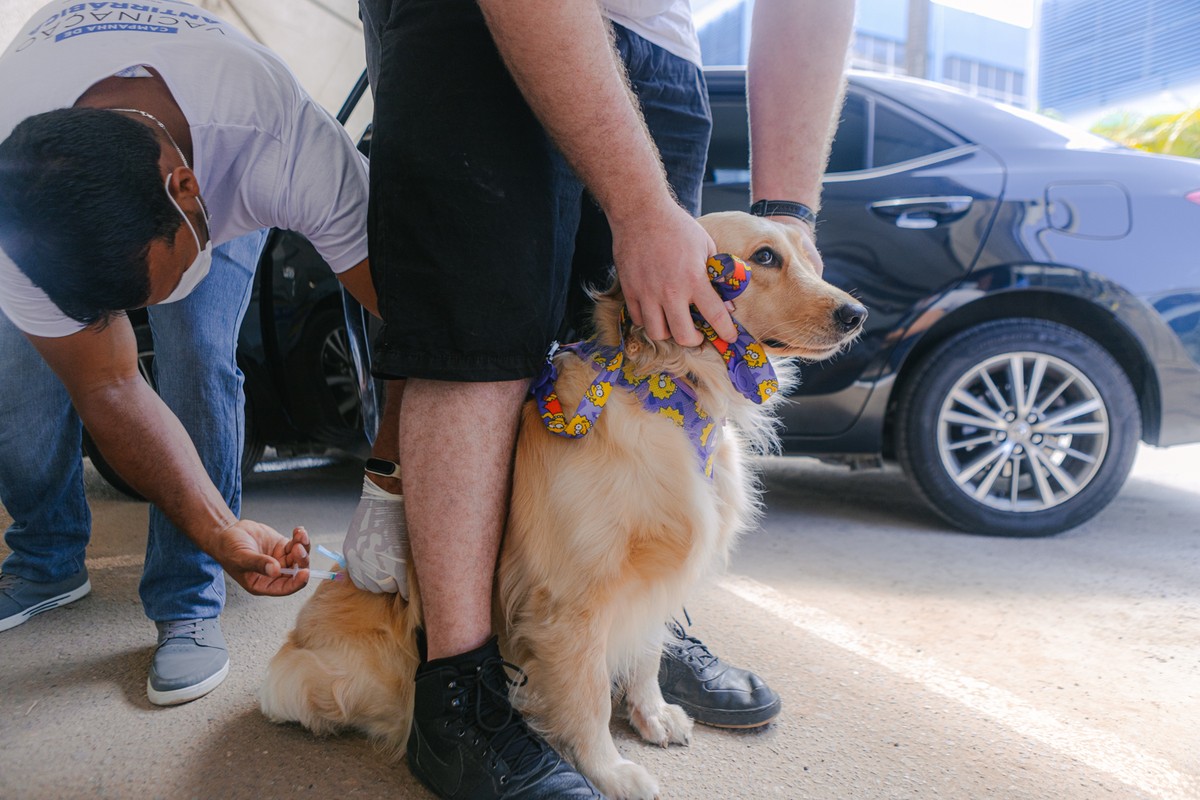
(252, 554)
(660, 259)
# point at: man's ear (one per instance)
(183, 183)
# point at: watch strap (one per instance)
(784, 208)
(381, 466)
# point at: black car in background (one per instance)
(1034, 297)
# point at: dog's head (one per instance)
(787, 306)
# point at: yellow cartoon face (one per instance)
(672, 414)
(578, 426)
(766, 389)
(630, 377)
(554, 423)
(598, 393)
(755, 356)
(661, 386)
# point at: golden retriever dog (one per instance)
(606, 535)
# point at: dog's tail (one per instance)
(348, 664)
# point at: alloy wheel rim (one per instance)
(337, 366)
(1023, 432)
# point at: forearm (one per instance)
(357, 281)
(149, 448)
(567, 70)
(796, 82)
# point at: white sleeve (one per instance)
(324, 189)
(29, 308)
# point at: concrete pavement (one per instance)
(914, 661)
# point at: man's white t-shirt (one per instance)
(266, 154)
(666, 23)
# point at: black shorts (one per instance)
(472, 212)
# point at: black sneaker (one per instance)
(708, 689)
(469, 743)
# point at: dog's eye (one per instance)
(766, 257)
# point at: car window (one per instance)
(899, 138)
(849, 151)
(873, 134)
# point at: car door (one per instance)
(906, 207)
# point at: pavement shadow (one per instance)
(833, 492)
(246, 755)
(121, 673)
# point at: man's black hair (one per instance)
(81, 199)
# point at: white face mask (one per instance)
(199, 268)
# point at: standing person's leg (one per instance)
(374, 15)
(470, 227)
(41, 485)
(195, 367)
(674, 103)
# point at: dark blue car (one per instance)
(1034, 297)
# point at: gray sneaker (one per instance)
(191, 661)
(21, 599)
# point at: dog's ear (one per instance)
(606, 315)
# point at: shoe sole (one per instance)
(746, 718)
(49, 604)
(174, 697)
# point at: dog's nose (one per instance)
(850, 316)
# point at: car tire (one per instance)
(326, 344)
(252, 451)
(1030, 455)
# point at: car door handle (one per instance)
(922, 213)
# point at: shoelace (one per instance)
(692, 648)
(511, 739)
(182, 629)
(10, 583)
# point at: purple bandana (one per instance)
(748, 367)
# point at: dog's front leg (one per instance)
(570, 693)
(657, 721)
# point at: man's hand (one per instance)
(252, 554)
(660, 259)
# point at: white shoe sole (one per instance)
(174, 697)
(46, 605)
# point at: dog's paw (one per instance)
(625, 780)
(665, 725)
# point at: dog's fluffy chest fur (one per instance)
(626, 506)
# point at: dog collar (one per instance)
(749, 370)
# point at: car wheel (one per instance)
(1022, 427)
(328, 344)
(251, 453)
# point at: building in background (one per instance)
(1099, 57)
(977, 54)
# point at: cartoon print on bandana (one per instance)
(747, 363)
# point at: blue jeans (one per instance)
(41, 469)
(674, 102)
